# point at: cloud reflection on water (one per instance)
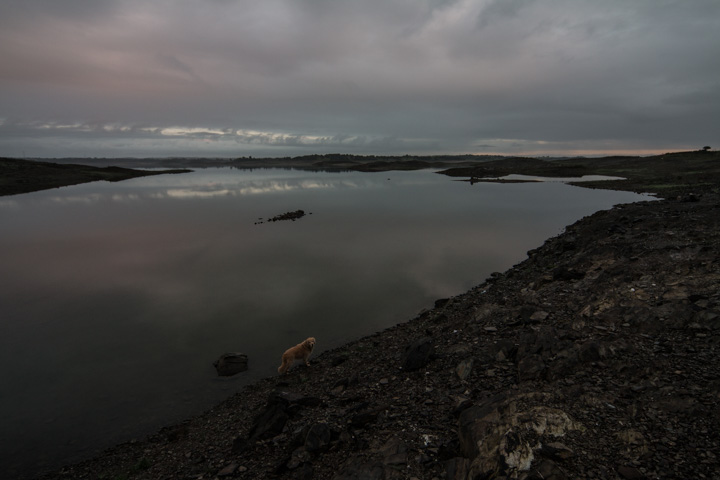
(188, 186)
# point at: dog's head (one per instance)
(310, 343)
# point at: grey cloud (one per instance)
(360, 76)
(499, 10)
(23, 10)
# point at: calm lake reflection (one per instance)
(116, 298)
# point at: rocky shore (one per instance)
(597, 357)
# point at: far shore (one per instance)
(667, 174)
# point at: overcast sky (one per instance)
(232, 78)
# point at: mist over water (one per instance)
(117, 297)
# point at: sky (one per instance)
(276, 78)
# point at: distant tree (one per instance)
(706, 148)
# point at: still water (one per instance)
(115, 298)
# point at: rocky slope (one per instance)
(597, 357)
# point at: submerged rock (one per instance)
(231, 363)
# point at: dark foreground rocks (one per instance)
(598, 357)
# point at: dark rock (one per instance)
(591, 351)
(464, 368)
(318, 437)
(555, 451)
(361, 420)
(357, 469)
(567, 274)
(239, 445)
(630, 473)
(547, 470)
(544, 340)
(461, 404)
(531, 367)
(230, 364)
(441, 302)
(271, 420)
(300, 456)
(304, 472)
(175, 433)
(347, 382)
(456, 468)
(417, 354)
(288, 216)
(468, 434)
(292, 398)
(228, 470)
(505, 350)
(340, 359)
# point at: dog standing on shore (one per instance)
(301, 351)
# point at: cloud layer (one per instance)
(290, 77)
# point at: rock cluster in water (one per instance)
(285, 216)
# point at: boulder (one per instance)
(271, 421)
(231, 363)
(318, 437)
(417, 354)
(500, 440)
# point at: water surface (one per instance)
(117, 297)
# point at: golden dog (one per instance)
(301, 351)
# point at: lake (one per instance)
(117, 297)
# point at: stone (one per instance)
(299, 457)
(566, 274)
(318, 437)
(461, 404)
(555, 451)
(547, 470)
(498, 439)
(531, 367)
(304, 472)
(357, 469)
(271, 420)
(228, 470)
(456, 468)
(464, 369)
(539, 316)
(229, 364)
(630, 473)
(363, 419)
(515, 451)
(505, 350)
(417, 354)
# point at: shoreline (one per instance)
(575, 361)
(605, 336)
(666, 175)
